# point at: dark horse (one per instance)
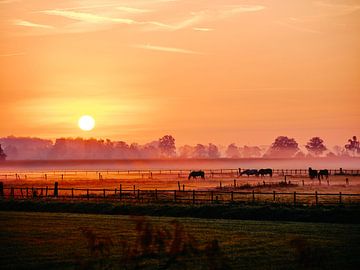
(312, 173)
(268, 171)
(250, 172)
(195, 174)
(323, 173)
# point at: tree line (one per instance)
(22, 148)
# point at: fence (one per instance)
(176, 196)
(100, 174)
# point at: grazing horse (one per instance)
(312, 173)
(323, 173)
(268, 171)
(195, 174)
(250, 172)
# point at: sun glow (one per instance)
(86, 122)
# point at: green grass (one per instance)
(54, 241)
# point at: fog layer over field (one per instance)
(256, 163)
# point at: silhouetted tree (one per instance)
(232, 151)
(250, 151)
(353, 145)
(316, 146)
(167, 146)
(186, 151)
(283, 147)
(213, 151)
(200, 151)
(2, 154)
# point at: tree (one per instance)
(316, 146)
(283, 147)
(167, 146)
(2, 154)
(213, 151)
(250, 151)
(186, 151)
(353, 145)
(200, 151)
(232, 151)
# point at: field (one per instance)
(58, 241)
(218, 185)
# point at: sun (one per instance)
(86, 122)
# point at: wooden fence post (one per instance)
(56, 189)
(104, 193)
(72, 193)
(27, 192)
(87, 194)
(120, 192)
(12, 192)
(46, 191)
(183, 187)
(1, 189)
(340, 199)
(179, 186)
(253, 195)
(220, 185)
(193, 197)
(232, 196)
(294, 198)
(138, 194)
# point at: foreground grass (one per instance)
(55, 241)
(256, 211)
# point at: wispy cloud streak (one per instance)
(31, 24)
(11, 54)
(164, 49)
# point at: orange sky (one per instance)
(204, 71)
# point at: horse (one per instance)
(323, 173)
(250, 172)
(264, 172)
(312, 173)
(195, 174)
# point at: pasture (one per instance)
(173, 185)
(58, 241)
(170, 180)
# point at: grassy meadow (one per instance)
(83, 241)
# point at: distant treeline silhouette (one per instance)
(23, 148)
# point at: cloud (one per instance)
(31, 24)
(133, 10)
(86, 17)
(8, 1)
(164, 49)
(242, 9)
(202, 29)
(340, 8)
(11, 54)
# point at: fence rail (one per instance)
(175, 196)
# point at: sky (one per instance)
(216, 71)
